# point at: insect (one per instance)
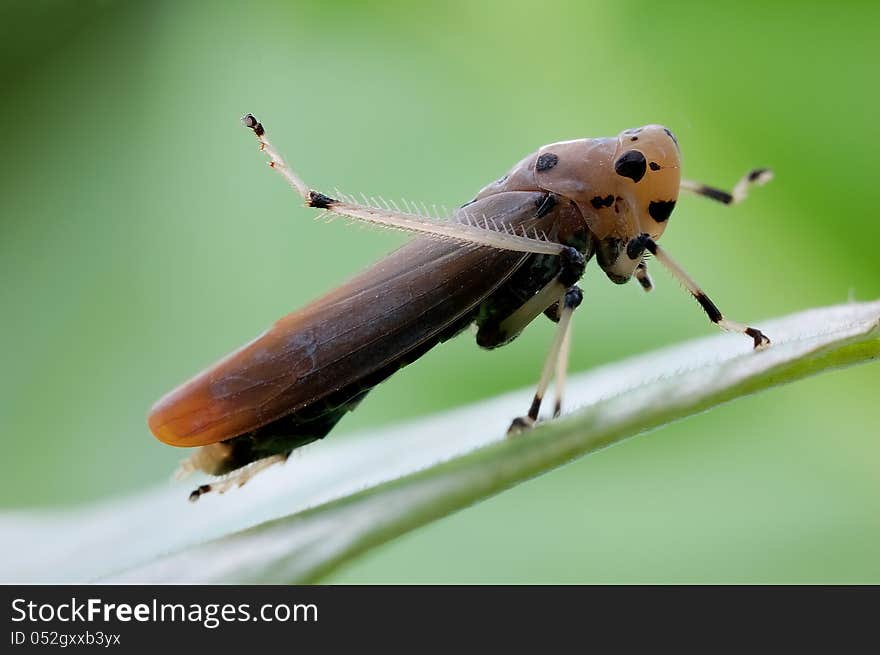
(514, 252)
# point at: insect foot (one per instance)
(239, 477)
(200, 491)
(761, 339)
(519, 425)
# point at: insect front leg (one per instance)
(636, 248)
(573, 265)
(756, 177)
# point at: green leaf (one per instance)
(337, 499)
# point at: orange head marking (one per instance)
(647, 163)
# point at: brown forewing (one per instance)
(392, 307)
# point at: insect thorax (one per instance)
(623, 186)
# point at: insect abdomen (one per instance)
(315, 421)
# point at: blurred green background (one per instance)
(142, 236)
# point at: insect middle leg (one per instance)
(568, 297)
(556, 362)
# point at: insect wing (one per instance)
(395, 306)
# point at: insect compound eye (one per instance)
(631, 164)
(661, 209)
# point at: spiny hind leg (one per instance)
(556, 362)
(238, 477)
(391, 216)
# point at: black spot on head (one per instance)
(546, 161)
(631, 164)
(661, 209)
(671, 135)
(654, 166)
(598, 201)
(755, 174)
(635, 138)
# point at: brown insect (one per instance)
(514, 252)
